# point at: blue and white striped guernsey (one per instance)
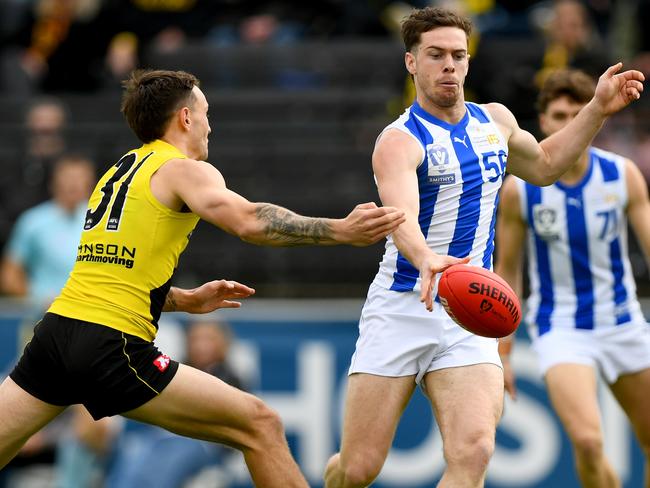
(579, 270)
(459, 178)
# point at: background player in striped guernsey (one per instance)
(583, 313)
(442, 162)
(95, 344)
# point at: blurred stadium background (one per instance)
(299, 91)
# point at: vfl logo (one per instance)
(161, 362)
(440, 169)
(486, 306)
(462, 141)
(545, 222)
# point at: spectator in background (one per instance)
(45, 122)
(275, 22)
(572, 41)
(523, 42)
(43, 245)
(40, 255)
(84, 448)
(165, 25)
(147, 455)
(122, 58)
(62, 44)
(208, 345)
(25, 178)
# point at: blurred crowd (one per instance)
(89, 45)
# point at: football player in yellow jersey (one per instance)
(95, 344)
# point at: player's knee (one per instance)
(266, 423)
(360, 475)
(362, 469)
(472, 453)
(588, 445)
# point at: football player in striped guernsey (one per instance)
(443, 162)
(583, 314)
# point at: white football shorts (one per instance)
(399, 337)
(613, 351)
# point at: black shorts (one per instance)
(70, 361)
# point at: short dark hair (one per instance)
(430, 18)
(151, 97)
(572, 83)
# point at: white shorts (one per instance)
(614, 351)
(399, 337)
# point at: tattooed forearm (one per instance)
(170, 302)
(285, 228)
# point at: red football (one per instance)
(479, 300)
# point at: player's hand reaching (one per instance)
(368, 223)
(617, 90)
(429, 268)
(208, 297)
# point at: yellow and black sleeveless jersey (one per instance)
(129, 248)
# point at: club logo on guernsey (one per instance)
(546, 222)
(161, 362)
(102, 252)
(440, 168)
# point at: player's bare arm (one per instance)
(543, 163)
(202, 188)
(510, 238)
(638, 207)
(206, 298)
(365, 225)
(394, 161)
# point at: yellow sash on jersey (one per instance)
(129, 248)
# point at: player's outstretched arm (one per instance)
(543, 163)
(206, 298)
(394, 163)
(364, 225)
(202, 188)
